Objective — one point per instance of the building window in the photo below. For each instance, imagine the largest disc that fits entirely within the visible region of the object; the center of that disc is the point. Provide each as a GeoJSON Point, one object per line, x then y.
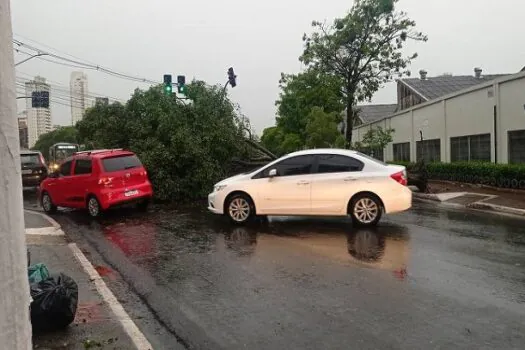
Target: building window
{"type": "Point", "coordinates": [429, 150]}
{"type": "Point", "coordinates": [402, 152]}
{"type": "Point", "coordinates": [470, 148]}
{"type": "Point", "coordinates": [516, 146]}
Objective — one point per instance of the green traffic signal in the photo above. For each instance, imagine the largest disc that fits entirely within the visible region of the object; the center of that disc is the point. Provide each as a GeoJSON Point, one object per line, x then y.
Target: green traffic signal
{"type": "Point", "coordinates": [167, 89]}
{"type": "Point", "coordinates": [182, 89]}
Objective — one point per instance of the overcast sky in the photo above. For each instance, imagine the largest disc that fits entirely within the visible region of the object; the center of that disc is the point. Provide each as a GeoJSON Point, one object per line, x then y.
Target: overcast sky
{"type": "Point", "coordinates": [202, 38]}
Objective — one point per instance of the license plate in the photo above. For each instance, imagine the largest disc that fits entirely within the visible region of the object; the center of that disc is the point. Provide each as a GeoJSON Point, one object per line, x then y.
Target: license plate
{"type": "Point", "coordinates": [25, 172]}
{"type": "Point", "coordinates": [131, 193]}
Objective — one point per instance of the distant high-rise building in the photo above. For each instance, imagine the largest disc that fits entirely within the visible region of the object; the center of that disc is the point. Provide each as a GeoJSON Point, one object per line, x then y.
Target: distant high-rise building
{"type": "Point", "coordinates": [79, 91]}
{"type": "Point", "coordinates": [22, 132]}
{"type": "Point", "coordinates": [38, 119]}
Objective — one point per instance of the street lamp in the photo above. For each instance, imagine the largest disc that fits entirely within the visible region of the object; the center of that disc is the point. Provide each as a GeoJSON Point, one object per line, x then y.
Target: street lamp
{"type": "Point", "coordinates": [27, 59]}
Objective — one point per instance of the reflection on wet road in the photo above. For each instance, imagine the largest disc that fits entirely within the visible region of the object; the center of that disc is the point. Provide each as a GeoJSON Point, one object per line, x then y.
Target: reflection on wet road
{"type": "Point", "coordinates": [428, 278]}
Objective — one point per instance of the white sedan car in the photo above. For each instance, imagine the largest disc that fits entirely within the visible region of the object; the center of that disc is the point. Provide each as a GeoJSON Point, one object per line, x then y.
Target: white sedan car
{"type": "Point", "coordinates": [322, 182]}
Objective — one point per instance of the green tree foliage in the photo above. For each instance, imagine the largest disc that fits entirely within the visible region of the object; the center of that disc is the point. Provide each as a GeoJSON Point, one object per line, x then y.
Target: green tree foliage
{"type": "Point", "coordinates": [62, 134]}
{"type": "Point", "coordinates": [363, 49]}
{"type": "Point", "coordinates": [322, 131]}
{"type": "Point", "coordinates": [300, 94]}
{"type": "Point", "coordinates": [186, 147]}
{"type": "Point", "coordinates": [375, 139]}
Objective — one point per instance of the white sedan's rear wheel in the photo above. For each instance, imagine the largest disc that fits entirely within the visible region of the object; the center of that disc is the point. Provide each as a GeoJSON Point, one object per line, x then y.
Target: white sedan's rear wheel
{"type": "Point", "coordinates": [240, 208]}
{"type": "Point", "coordinates": [366, 210]}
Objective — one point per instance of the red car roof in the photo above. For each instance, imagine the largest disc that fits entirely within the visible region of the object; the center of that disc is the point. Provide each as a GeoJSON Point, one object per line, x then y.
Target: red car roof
{"type": "Point", "coordinates": [102, 153]}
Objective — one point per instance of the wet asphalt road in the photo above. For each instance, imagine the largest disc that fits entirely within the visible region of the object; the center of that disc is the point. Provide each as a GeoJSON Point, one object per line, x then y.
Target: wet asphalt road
{"type": "Point", "coordinates": [428, 278]}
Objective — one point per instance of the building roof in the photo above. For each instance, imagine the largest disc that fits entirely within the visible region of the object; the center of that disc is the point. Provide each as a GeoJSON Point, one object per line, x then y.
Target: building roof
{"type": "Point", "coordinates": [436, 87]}
{"type": "Point", "coordinates": [371, 113]}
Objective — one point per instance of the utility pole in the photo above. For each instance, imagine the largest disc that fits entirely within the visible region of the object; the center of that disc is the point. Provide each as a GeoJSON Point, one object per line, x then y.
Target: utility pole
{"type": "Point", "coordinates": [15, 327]}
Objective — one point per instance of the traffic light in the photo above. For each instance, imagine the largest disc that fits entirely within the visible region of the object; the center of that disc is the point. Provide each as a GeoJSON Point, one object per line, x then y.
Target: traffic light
{"type": "Point", "coordinates": [181, 84]}
{"type": "Point", "coordinates": [167, 84]}
{"type": "Point", "coordinates": [231, 77]}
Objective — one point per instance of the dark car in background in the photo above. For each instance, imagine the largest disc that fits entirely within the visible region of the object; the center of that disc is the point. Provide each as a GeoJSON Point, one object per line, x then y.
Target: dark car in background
{"type": "Point", "coordinates": [34, 168]}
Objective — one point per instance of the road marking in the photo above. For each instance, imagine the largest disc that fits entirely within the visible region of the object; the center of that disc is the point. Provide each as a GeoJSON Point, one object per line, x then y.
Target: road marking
{"type": "Point", "coordinates": [127, 323]}
{"type": "Point", "coordinates": [45, 231]}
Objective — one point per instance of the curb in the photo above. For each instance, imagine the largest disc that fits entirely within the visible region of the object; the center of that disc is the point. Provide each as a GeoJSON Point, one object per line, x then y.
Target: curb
{"type": "Point", "coordinates": [55, 224]}
{"type": "Point", "coordinates": [496, 208]}
{"type": "Point", "coordinates": [426, 196]}
{"type": "Point", "coordinates": [479, 205]}
{"type": "Point", "coordinates": [131, 329]}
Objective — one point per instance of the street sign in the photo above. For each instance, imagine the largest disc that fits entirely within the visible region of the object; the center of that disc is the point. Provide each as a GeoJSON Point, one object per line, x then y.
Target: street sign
{"type": "Point", "coordinates": [40, 99]}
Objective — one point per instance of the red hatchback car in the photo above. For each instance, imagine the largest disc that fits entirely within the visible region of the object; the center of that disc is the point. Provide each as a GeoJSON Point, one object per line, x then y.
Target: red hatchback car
{"type": "Point", "coordinates": [97, 180]}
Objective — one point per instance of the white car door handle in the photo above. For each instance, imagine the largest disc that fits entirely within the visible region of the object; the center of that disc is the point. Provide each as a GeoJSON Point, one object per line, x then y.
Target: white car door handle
{"type": "Point", "coordinates": [303, 182]}
{"type": "Point", "coordinates": [350, 179]}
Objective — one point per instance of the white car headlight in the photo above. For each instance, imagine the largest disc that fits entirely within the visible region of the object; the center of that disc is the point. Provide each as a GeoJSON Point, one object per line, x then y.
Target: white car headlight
{"type": "Point", "coordinates": [218, 188]}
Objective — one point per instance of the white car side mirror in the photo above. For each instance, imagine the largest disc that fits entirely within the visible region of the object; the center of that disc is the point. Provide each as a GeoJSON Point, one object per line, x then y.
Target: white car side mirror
{"type": "Point", "coordinates": [272, 173]}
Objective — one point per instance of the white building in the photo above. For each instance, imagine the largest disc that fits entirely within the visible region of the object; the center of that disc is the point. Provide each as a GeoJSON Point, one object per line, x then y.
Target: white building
{"type": "Point", "coordinates": [38, 119]}
{"type": "Point", "coordinates": [455, 118]}
{"type": "Point", "coordinates": [79, 91]}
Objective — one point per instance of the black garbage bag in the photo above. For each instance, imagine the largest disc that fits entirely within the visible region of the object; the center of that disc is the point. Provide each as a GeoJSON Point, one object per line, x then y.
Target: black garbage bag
{"type": "Point", "coordinates": [55, 302]}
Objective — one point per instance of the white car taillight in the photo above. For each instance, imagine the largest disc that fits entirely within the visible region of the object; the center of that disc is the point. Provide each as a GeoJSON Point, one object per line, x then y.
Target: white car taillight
{"type": "Point", "coordinates": [400, 177]}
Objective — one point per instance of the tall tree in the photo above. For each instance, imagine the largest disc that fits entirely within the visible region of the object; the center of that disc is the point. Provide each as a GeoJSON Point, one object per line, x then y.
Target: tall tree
{"type": "Point", "coordinates": [302, 92]}
{"type": "Point", "coordinates": [364, 49]}
{"type": "Point", "coordinates": [322, 129]}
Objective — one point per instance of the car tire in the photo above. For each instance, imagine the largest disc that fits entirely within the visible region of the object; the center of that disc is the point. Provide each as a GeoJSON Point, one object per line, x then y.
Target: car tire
{"type": "Point", "coordinates": [143, 205]}
{"type": "Point", "coordinates": [93, 207]}
{"type": "Point", "coordinates": [365, 210]}
{"type": "Point", "coordinates": [47, 203]}
{"type": "Point", "coordinates": [240, 209]}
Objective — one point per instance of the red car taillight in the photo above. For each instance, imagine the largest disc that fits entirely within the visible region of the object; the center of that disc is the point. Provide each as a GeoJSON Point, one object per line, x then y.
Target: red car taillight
{"type": "Point", "coordinates": [400, 177]}
{"type": "Point", "coordinates": [105, 181]}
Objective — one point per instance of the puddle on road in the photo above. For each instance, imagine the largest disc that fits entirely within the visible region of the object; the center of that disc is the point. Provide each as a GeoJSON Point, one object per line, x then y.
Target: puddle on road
{"type": "Point", "coordinates": [164, 238]}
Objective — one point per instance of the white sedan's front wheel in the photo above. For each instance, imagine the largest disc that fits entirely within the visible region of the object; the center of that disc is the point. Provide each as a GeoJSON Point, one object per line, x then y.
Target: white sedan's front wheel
{"type": "Point", "coordinates": [240, 208]}
{"type": "Point", "coordinates": [366, 210]}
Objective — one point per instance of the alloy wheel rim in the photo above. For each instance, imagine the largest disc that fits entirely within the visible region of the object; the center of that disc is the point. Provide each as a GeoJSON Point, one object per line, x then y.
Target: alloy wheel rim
{"type": "Point", "coordinates": [239, 209]}
{"type": "Point", "coordinates": [46, 202]}
{"type": "Point", "coordinates": [366, 210]}
{"type": "Point", "coordinates": [93, 207]}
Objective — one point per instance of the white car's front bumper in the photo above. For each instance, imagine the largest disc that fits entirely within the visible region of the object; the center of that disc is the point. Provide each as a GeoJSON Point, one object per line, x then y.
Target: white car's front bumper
{"type": "Point", "coordinates": [216, 203]}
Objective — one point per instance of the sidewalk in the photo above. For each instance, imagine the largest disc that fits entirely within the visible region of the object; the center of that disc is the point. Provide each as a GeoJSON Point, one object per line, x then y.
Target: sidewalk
{"type": "Point", "coordinates": [504, 201]}
{"type": "Point", "coordinates": [101, 322]}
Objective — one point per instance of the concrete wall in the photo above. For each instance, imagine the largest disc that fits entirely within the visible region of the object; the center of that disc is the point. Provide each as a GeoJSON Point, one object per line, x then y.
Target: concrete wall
{"type": "Point", "coordinates": [511, 110]}
{"type": "Point", "coordinates": [468, 113]}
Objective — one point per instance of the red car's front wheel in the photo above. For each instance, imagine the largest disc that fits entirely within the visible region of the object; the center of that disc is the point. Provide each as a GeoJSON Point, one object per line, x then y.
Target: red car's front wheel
{"type": "Point", "coordinates": [47, 203]}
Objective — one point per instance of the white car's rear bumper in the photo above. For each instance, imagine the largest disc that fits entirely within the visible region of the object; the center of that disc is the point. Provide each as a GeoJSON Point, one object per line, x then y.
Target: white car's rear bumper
{"type": "Point", "coordinates": [400, 201]}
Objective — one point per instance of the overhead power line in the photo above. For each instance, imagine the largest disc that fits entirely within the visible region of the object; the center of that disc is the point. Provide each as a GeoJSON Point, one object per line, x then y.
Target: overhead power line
{"type": "Point", "coordinates": [58, 88]}
{"type": "Point", "coordinates": [77, 63]}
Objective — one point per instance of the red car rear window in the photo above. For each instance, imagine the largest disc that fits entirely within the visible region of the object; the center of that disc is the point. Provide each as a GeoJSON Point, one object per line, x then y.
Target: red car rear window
{"type": "Point", "coordinates": [120, 163]}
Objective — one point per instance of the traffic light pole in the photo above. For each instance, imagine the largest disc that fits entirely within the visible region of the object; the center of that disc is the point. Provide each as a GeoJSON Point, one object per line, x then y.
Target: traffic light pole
{"type": "Point", "coordinates": [15, 323]}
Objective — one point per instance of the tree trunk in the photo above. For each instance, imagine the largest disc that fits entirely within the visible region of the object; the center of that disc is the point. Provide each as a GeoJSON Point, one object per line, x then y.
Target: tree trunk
{"type": "Point", "coordinates": [15, 327]}
{"type": "Point", "coordinates": [349, 121]}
